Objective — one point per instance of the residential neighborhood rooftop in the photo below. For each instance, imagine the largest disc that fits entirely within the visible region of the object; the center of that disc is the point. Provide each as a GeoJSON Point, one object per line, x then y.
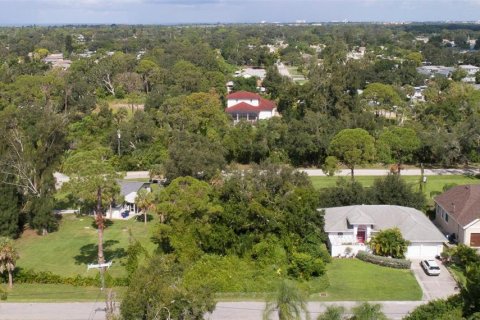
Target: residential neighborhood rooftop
{"type": "Point", "coordinates": [461, 202]}
{"type": "Point", "coordinates": [414, 225]}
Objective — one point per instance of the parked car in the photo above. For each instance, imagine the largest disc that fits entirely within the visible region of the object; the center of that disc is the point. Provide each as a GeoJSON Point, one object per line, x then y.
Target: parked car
{"type": "Point", "coordinates": [431, 267]}
{"type": "Point", "coordinates": [125, 214]}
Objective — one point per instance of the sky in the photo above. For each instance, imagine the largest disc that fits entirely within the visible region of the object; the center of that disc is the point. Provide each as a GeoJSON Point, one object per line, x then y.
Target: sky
{"type": "Point", "coordinates": [26, 12]}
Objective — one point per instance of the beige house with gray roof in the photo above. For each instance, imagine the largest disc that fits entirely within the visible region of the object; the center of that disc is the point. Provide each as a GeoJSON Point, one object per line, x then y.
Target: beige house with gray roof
{"type": "Point", "coordinates": [353, 226]}
{"type": "Point", "coordinates": [457, 212]}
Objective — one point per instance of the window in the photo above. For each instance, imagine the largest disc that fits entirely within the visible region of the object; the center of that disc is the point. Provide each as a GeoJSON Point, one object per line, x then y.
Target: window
{"type": "Point", "coordinates": [340, 234]}
{"type": "Point", "coordinates": [446, 217]}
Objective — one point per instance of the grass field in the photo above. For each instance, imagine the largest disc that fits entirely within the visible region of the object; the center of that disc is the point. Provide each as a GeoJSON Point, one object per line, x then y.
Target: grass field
{"type": "Point", "coordinates": [68, 251]}
{"type": "Point", "coordinates": [434, 183]}
{"type": "Point", "coordinates": [355, 280]}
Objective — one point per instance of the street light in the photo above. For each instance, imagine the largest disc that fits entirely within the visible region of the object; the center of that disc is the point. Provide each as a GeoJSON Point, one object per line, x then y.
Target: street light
{"type": "Point", "coordinates": [119, 135]}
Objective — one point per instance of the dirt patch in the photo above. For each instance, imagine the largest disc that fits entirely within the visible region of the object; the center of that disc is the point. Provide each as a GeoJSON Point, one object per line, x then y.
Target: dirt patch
{"type": "Point", "coordinates": [30, 234]}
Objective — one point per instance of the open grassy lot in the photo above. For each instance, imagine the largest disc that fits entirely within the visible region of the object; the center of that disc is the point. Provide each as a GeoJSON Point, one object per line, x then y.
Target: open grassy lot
{"type": "Point", "coordinates": [68, 251]}
{"type": "Point", "coordinates": [355, 280]}
{"type": "Point", "coordinates": [434, 183]}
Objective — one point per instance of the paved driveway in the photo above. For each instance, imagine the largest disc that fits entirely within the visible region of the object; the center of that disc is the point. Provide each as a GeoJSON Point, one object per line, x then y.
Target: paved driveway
{"type": "Point", "coordinates": [434, 287]}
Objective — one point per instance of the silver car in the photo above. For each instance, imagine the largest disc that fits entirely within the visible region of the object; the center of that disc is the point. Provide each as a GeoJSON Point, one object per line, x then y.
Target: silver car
{"type": "Point", "coordinates": [431, 267]}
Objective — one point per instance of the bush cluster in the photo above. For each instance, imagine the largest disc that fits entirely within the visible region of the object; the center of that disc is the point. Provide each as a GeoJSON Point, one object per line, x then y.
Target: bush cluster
{"type": "Point", "coordinates": [384, 261]}
{"type": "Point", "coordinates": [46, 277]}
{"type": "Point", "coordinates": [304, 266]}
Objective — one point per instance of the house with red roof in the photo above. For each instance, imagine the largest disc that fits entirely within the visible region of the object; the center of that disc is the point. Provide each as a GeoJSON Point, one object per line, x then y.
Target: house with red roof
{"type": "Point", "coordinates": [457, 212]}
{"type": "Point", "coordinates": [249, 106]}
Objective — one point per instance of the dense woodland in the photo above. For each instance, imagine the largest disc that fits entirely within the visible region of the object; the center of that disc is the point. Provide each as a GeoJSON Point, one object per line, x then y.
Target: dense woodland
{"type": "Point", "coordinates": [153, 98]}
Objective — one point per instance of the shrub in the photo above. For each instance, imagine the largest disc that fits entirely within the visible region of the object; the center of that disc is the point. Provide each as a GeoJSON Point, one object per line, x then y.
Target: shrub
{"type": "Point", "coordinates": [315, 249]}
{"type": "Point", "coordinates": [304, 266]}
{"type": "Point", "coordinates": [389, 243]}
{"type": "Point", "coordinates": [450, 308]}
{"type": "Point", "coordinates": [46, 277]}
{"type": "Point", "coordinates": [463, 256]}
{"type": "Point", "coordinates": [269, 252]}
{"type": "Point", "coordinates": [231, 274]}
{"type": "Point", "coordinates": [384, 261]}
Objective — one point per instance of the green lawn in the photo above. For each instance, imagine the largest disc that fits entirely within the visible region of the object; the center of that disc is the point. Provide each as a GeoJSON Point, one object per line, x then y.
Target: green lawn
{"type": "Point", "coordinates": [434, 183]}
{"type": "Point", "coordinates": [56, 293]}
{"type": "Point", "coordinates": [355, 280]}
{"type": "Point", "coordinates": [68, 251]}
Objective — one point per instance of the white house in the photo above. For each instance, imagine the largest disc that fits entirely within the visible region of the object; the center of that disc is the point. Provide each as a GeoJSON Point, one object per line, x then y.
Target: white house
{"type": "Point", "coordinates": [353, 226]}
{"type": "Point", "coordinates": [243, 105]}
{"type": "Point", "coordinates": [129, 191]}
{"type": "Point", "coordinates": [458, 213]}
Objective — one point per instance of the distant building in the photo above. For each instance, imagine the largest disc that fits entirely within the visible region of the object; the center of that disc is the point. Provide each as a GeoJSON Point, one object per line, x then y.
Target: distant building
{"type": "Point", "coordinates": [422, 39]}
{"type": "Point", "coordinates": [356, 54]}
{"type": "Point", "coordinates": [432, 71]}
{"type": "Point", "coordinates": [448, 43]}
{"type": "Point", "coordinates": [471, 71]}
{"type": "Point", "coordinates": [418, 94]}
{"type": "Point", "coordinates": [80, 38]}
{"type": "Point", "coordinates": [57, 61]}
{"type": "Point", "coordinates": [248, 106]}
{"type": "Point", "coordinates": [471, 43]}
{"type": "Point", "coordinates": [252, 72]}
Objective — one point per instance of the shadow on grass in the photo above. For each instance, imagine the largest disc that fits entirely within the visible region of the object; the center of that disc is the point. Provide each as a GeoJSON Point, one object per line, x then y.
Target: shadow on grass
{"type": "Point", "coordinates": [141, 218]}
{"type": "Point", "coordinates": [107, 223]}
{"type": "Point", "coordinates": [89, 253]}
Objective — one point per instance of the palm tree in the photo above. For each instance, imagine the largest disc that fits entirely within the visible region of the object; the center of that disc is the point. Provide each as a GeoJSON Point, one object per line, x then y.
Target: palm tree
{"type": "Point", "coordinates": [333, 313]}
{"type": "Point", "coordinates": [8, 258]}
{"type": "Point", "coordinates": [289, 303]}
{"type": "Point", "coordinates": [367, 311]}
{"type": "Point", "coordinates": [144, 202]}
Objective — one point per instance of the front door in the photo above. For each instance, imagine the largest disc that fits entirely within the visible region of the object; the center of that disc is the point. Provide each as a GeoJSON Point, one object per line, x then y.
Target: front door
{"type": "Point", "coordinates": [361, 233]}
{"type": "Point", "coordinates": [361, 236]}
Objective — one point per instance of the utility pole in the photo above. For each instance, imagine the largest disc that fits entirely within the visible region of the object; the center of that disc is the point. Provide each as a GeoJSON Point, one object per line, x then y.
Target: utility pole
{"type": "Point", "coordinates": [110, 295]}
{"type": "Point", "coordinates": [423, 179]}
{"type": "Point", "coordinates": [119, 135]}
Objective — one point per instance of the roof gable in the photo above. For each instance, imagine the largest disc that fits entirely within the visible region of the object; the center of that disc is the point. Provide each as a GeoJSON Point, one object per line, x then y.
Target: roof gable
{"type": "Point", "coordinates": [265, 105]}
{"type": "Point", "coordinates": [243, 95]}
{"type": "Point", "coordinates": [127, 187]}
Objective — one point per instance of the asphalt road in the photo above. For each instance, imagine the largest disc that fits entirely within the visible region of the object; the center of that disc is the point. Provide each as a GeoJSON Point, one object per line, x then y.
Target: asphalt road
{"type": "Point", "coordinates": [223, 311]}
{"type": "Point", "coordinates": [358, 172]}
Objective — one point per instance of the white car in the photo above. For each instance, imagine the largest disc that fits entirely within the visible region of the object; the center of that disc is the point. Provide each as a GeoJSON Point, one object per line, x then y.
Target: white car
{"type": "Point", "coordinates": [431, 267]}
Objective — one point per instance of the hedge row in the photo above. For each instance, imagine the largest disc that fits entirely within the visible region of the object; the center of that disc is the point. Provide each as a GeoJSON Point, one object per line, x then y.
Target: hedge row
{"type": "Point", "coordinates": [384, 261]}
{"type": "Point", "coordinates": [46, 277]}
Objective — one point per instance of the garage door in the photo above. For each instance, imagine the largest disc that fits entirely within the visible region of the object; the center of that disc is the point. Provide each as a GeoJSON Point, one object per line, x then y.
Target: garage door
{"type": "Point", "coordinates": [423, 251]}
{"type": "Point", "coordinates": [475, 239]}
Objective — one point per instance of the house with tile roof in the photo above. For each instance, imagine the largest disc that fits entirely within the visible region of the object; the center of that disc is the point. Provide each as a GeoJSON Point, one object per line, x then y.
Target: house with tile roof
{"type": "Point", "coordinates": [457, 212]}
{"type": "Point", "coordinates": [249, 106]}
{"type": "Point", "coordinates": [353, 226]}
